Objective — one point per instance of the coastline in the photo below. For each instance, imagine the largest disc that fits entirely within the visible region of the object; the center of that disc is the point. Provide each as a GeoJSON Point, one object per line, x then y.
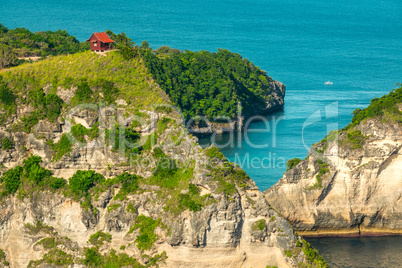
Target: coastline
{"type": "Point", "coordinates": [355, 232]}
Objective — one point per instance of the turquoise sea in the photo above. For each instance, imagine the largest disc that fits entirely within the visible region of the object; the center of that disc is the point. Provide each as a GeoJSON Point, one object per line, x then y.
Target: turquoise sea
{"type": "Point", "coordinates": [355, 44]}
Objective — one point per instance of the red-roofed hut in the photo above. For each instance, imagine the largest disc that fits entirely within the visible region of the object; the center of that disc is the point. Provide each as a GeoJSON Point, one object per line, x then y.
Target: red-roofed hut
{"type": "Point", "coordinates": [100, 42]}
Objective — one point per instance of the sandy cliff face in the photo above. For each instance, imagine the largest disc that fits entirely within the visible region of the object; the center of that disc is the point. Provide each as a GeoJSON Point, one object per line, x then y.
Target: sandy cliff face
{"type": "Point", "coordinates": [223, 233]}
{"type": "Point", "coordinates": [361, 191]}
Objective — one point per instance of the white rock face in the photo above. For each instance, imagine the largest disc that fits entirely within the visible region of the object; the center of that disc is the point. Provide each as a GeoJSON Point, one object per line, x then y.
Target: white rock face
{"type": "Point", "coordinates": [360, 195]}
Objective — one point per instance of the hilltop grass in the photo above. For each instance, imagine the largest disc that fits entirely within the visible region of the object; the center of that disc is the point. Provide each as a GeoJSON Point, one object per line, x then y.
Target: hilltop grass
{"type": "Point", "coordinates": [130, 77]}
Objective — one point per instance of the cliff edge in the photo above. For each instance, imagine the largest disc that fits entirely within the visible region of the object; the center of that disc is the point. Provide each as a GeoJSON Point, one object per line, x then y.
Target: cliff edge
{"type": "Point", "coordinates": [351, 182]}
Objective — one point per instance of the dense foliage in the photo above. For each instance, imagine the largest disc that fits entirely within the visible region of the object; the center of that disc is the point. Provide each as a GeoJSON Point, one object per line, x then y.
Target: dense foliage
{"type": "Point", "coordinates": [292, 163]}
{"type": "Point", "coordinates": [21, 42]}
{"type": "Point", "coordinates": [208, 84]}
{"type": "Point", "coordinates": [28, 177]}
{"type": "Point", "coordinates": [82, 181]}
{"type": "Point", "coordinates": [384, 106]}
{"type": "Point", "coordinates": [147, 236]}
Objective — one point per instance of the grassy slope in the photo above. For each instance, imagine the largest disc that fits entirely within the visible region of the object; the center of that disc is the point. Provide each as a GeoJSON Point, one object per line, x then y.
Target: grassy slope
{"type": "Point", "coordinates": [130, 76]}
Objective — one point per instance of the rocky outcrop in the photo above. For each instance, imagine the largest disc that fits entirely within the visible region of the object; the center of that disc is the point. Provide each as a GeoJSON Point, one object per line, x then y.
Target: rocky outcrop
{"type": "Point", "coordinates": [222, 234]}
{"type": "Point", "coordinates": [274, 101]}
{"type": "Point", "coordinates": [360, 191]}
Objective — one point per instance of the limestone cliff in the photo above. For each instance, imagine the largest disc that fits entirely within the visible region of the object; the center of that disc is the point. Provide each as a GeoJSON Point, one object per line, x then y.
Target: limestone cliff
{"type": "Point", "coordinates": [351, 182]}
{"type": "Point", "coordinates": [155, 199]}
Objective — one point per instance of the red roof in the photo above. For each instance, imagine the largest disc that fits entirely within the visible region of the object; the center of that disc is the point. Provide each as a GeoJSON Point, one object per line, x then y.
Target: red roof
{"type": "Point", "coordinates": [103, 37]}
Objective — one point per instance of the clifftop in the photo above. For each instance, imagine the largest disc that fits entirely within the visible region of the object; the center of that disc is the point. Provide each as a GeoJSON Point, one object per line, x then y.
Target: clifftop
{"type": "Point", "coordinates": [350, 184]}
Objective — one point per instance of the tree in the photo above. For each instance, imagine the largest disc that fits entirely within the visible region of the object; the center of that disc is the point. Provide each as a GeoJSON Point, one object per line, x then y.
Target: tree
{"type": "Point", "coordinates": [7, 58]}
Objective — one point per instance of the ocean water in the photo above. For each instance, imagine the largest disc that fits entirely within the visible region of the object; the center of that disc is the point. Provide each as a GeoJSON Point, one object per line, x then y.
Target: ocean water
{"type": "Point", "coordinates": [360, 252]}
{"type": "Point", "coordinates": [303, 43]}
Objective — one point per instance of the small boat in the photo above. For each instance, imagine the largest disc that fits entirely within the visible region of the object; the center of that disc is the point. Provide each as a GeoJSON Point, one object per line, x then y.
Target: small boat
{"type": "Point", "coordinates": [329, 83]}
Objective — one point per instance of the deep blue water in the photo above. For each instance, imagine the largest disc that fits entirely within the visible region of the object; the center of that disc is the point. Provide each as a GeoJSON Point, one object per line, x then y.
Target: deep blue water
{"type": "Point", "coordinates": [303, 43]}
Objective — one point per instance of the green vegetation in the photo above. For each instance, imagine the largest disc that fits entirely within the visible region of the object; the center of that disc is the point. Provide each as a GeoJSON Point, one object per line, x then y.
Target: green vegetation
{"type": "Point", "coordinates": [82, 181]}
{"type": "Point", "coordinates": [113, 207]}
{"type": "Point", "coordinates": [313, 256]}
{"type": "Point", "coordinates": [54, 257]}
{"type": "Point", "coordinates": [213, 152]}
{"type": "Point", "coordinates": [83, 93]}
{"type": "Point", "coordinates": [79, 131]}
{"type": "Point", "coordinates": [98, 238]}
{"type": "Point", "coordinates": [7, 97]}
{"type": "Point", "coordinates": [163, 124]}
{"type": "Point", "coordinates": [384, 107]}
{"type": "Point", "coordinates": [112, 260]}
{"type": "Point", "coordinates": [227, 176]}
{"type": "Point", "coordinates": [28, 178]}
{"type": "Point", "coordinates": [48, 242]}
{"type": "Point", "coordinates": [7, 100]}
{"type": "Point", "coordinates": [46, 106]}
{"type": "Point", "coordinates": [131, 208]}
{"type": "Point", "coordinates": [129, 185]}
{"type": "Point", "coordinates": [21, 42]}
{"type": "Point", "coordinates": [354, 139]}
{"type": "Point", "coordinates": [288, 253]}
{"type": "Point", "coordinates": [147, 237]}
{"type": "Point", "coordinates": [61, 148]}
{"type": "Point", "coordinates": [292, 163]}
{"type": "Point", "coordinates": [192, 199]}
{"type": "Point", "coordinates": [258, 225]}
{"type": "Point", "coordinates": [3, 258]}
{"type": "Point", "coordinates": [208, 84]}
{"type": "Point", "coordinates": [125, 139]}
{"type": "Point", "coordinates": [7, 144]}
{"type": "Point", "coordinates": [39, 227]}
{"type": "Point", "coordinates": [322, 171]}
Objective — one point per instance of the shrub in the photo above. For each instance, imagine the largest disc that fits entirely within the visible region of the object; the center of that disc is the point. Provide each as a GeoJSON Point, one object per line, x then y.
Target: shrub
{"type": "Point", "coordinates": [92, 257]}
{"type": "Point", "coordinates": [55, 257]}
{"type": "Point", "coordinates": [213, 152]}
{"type": "Point", "coordinates": [129, 185]}
{"type": "Point", "coordinates": [147, 237]}
{"type": "Point", "coordinates": [313, 255]}
{"type": "Point", "coordinates": [33, 170]}
{"type": "Point", "coordinates": [12, 179]}
{"type": "Point", "coordinates": [124, 139]}
{"type": "Point", "coordinates": [39, 227]}
{"type": "Point", "coordinates": [47, 106]}
{"type": "Point", "coordinates": [98, 238]}
{"type": "Point", "coordinates": [48, 243]}
{"type": "Point", "coordinates": [83, 93]}
{"type": "Point", "coordinates": [163, 124]}
{"type": "Point", "coordinates": [113, 207]}
{"type": "Point", "coordinates": [61, 148]}
{"type": "Point", "coordinates": [78, 131]}
{"type": "Point", "coordinates": [258, 225]}
{"type": "Point", "coordinates": [57, 183]}
{"type": "Point", "coordinates": [7, 144]}
{"type": "Point", "coordinates": [110, 92]}
{"type": "Point", "coordinates": [292, 163]}
{"type": "Point", "coordinates": [82, 181]}
{"type": "Point", "coordinates": [7, 97]}
{"type": "Point", "coordinates": [53, 105]}
{"type": "Point", "coordinates": [355, 139]}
